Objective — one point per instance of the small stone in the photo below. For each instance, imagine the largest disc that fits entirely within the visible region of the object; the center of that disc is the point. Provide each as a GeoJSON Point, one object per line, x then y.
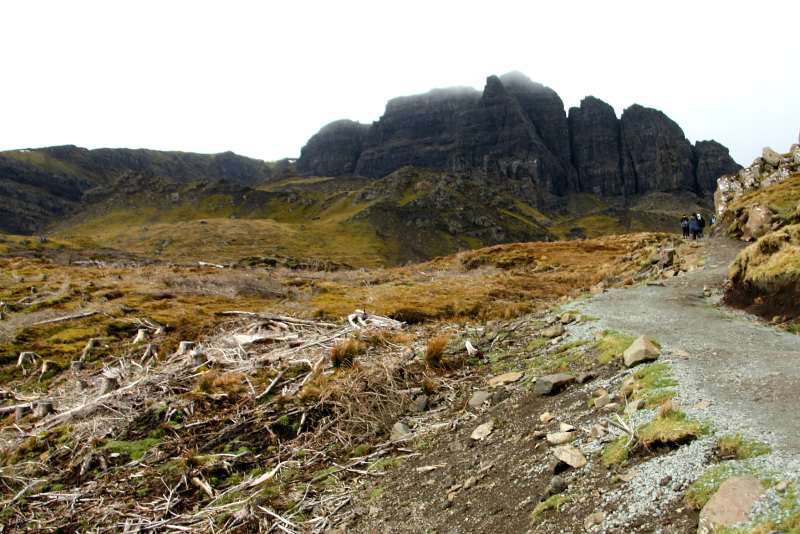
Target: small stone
{"type": "Point", "coordinates": [602, 400]}
{"type": "Point", "coordinates": [611, 407]}
{"type": "Point", "coordinates": [731, 504]}
{"type": "Point", "coordinates": [593, 520]}
{"type": "Point", "coordinates": [665, 481]}
{"type": "Point", "coordinates": [560, 438]}
{"type": "Point", "coordinates": [419, 404]}
{"type": "Point", "coordinates": [782, 486]}
{"type": "Point", "coordinates": [634, 406]}
{"type": "Point", "coordinates": [399, 431]}
{"type": "Point", "coordinates": [582, 378]}
{"type": "Point", "coordinates": [557, 485]}
{"type": "Point", "coordinates": [506, 378]}
{"type": "Point", "coordinates": [551, 384]}
{"type": "Point", "coordinates": [567, 318]}
{"type": "Point", "coordinates": [478, 398]}
{"type": "Point", "coordinates": [597, 432]}
{"type": "Point", "coordinates": [570, 456]}
{"type": "Point", "coordinates": [599, 392]}
{"type": "Point", "coordinates": [641, 350]}
{"type": "Point", "coordinates": [499, 395]}
{"type": "Point", "coordinates": [566, 427]}
{"type": "Point", "coordinates": [553, 331]}
{"type": "Point", "coordinates": [546, 417]}
{"type": "Point", "coordinates": [483, 431]}
{"type": "Point", "coordinates": [680, 353]}
{"type": "Point", "coordinates": [471, 481]}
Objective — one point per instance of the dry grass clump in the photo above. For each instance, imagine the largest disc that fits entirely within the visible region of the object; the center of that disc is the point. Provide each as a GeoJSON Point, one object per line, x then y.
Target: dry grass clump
{"type": "Point", "coordinates": [213, 382]}
{"type": "Point", "coordinates": [434, 350]}
{"type": "Point", "coordinates": [343, 353]}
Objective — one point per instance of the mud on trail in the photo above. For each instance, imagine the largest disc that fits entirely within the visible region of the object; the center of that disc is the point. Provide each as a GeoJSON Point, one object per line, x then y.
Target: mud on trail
{"type": "Point", "coordinates": [733, 372]}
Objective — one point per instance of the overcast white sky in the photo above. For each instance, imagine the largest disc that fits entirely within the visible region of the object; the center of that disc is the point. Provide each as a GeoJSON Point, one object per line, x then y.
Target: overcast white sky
{"type": "Point", "coordinates": [260, 77]}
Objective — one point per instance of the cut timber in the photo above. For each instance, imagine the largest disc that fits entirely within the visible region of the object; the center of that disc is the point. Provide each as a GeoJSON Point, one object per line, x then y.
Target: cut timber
{"type": "Point", "coordinates": [141, 336]}
{"type": "Point", "coordinates": [108, 385]}
{"type": "Point", "coordinates": [66, 318]}
{"type": "Point", "coordinates": [21, 411]}
{"type": "Point", "coordinates": [14, 408]}
{"type": "Point", "coordinates": [184, 347]}
{"type": "Point", "coordinates": [89, 406]}
{"type": "Point", "coordinates": [252, 339]}
{"type": "Point", "coordinates": [271, 317]}
{"type": "Point", "coordinates": [26, 358]}
{"type": "Point", "coordinates": [92, 343]}
{"type": "Point", "coordinates": [198, 358]}
{"type": "Point", "coordinates": [42, 408]}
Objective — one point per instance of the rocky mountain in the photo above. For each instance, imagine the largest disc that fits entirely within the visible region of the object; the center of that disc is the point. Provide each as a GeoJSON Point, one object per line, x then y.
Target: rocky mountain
{"type": "Point", "coordinates": [518, 129]}
{"type": "Point", "coordinates": [47, 184]}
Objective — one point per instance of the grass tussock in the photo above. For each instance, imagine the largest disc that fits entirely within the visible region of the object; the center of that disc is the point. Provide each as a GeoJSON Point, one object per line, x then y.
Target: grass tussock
{"type": "Point", "coordinates": [616, 452]}
{"type": "Point", "coordinates": [343, 353]}
{"type": "Point", "coordinates": [652, 383]}
{"type": "Point", "coordinates": [611, 345]}
{"type": "Point", "coordinates": [434, 351]}
{"type": "Point", "coordinates": [213, 382]}
{"type": "Point", "coordinates": [671, 427]}
{"type": "Point", "coordinates": [737, 447]}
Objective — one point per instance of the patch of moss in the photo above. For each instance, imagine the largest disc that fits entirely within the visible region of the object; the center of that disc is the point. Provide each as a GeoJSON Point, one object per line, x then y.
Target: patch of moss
{"type": "Point", "coordinates": [135, 450]}
{"type": "Point", "coordinates": [652, 383]}
{"type": "Point", "coordinates": [554, 502]}
{"type": "Point", "coordinates": [615, 452]}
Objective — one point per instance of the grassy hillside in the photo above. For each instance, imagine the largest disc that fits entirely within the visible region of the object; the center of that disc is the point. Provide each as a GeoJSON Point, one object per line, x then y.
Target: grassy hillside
{"type": "Point", "coordinates": [412, 215]}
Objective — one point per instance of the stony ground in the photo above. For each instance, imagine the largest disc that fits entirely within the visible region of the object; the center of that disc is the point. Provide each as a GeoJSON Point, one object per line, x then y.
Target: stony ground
{"type": "Point", "coordinates": [734, 373]}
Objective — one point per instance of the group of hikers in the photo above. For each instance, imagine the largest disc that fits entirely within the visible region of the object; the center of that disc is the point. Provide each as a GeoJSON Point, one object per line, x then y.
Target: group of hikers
{"type": "Point", "coordinates": [694, 225]}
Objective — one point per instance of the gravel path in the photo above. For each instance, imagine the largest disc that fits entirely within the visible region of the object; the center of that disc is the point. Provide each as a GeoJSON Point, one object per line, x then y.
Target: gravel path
{"type": "Point", "coordinates": [747, 372]}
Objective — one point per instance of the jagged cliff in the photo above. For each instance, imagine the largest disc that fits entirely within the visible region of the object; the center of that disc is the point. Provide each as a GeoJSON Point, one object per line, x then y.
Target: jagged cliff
{"type": "Point", "coordinates": [518, 129]}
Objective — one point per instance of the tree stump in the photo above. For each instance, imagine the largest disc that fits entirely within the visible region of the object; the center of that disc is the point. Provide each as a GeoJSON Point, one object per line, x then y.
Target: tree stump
{"type": "Point", "coordinates": [20, 412]}
{"type": "Point", "coordinates": [184, 347]}
{"type": "Point", "coordinates": [92, 343]}
{"type": "Point", "coordinates": [76, 366]}
{"type": "Point", "coordinates": [82, 384]}
{"type": "Point", "coordinates": [108, 385]}
{"type": "Point", "coordinates": [198, 358]}
{"type": "Point", "coordinates": [141, 336]}
{"type": "Point", "coordinates": [42, 408]}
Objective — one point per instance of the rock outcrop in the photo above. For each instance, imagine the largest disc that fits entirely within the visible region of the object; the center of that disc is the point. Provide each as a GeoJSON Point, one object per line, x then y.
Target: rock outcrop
{"type": "Point", "coordinates": [656, 155]}
{"type": "Point", "coordinates": [517, 129]}
{"type": "Point", "coordinates": [334, 150]}
{"type": "Point", "coordinates": [595, 137]}
{"type": "Point", "coordinates": [712, 160]}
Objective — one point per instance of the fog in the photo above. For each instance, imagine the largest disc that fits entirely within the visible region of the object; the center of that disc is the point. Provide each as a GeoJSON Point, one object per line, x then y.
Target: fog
{"type": "Point", "coordinates": [259, 78]}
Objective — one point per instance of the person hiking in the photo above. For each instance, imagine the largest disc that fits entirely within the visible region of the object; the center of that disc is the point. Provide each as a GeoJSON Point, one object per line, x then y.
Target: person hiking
{"type": "Point", "coordinates": [685, 226]}
{"type": "Point", "coordinates": [694, 227]}
{"type": "Point", "coordinates": [702, 223]}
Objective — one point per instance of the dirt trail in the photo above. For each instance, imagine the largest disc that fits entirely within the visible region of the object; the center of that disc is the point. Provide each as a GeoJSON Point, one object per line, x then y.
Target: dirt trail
{"type": "Point", "coordinates": [750, 372]}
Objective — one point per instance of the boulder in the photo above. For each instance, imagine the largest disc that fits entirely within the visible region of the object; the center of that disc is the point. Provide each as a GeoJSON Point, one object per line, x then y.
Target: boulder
{"type": "Point", "coordinates": [478, 398]}
{"type": "Point", "coordinates": [731, 504]}
{"type": "Point", "coordinates": [560, 438]}
{"type": "Point", "coordinates": [570, 456]}
{"type": "Point", "coordinates": [399, 431]}
{"type": "Point", "coordinates": [553, 331]}
{"type": "Point", "coordinates": [419, 404]}
{"type": "Point", "coordinates": [771, 157]}
{"type": "Point", "coordinates": [593, 520]}
{"type": "Point", "coordinates": [641, 350]}
{"type": "Point", "coordinates": [483, 431]}
{"type": "Point", "coordinates": [551, 384]}
{"type": "Point", "coordinates": [602, 400]}
{"type": "Point", "coordinates": [759, 222]}
{"type": "Point", "coordinates": [666, 257]}
{"type": "Point", "coordinates": [505, 378]}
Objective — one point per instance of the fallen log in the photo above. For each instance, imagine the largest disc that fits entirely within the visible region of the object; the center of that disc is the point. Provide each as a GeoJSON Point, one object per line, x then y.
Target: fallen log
{"type": "Point", "coordinates": [272, 317]}
{"type": "Point", "coordinates": [66, 318]}
{"type": "Point", "coordinates": [92, 404]}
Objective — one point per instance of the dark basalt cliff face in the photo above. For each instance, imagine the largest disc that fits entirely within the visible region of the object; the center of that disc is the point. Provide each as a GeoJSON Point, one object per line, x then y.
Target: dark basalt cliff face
{"type": "Point", "coordinates": [596, 151]}
{"type": "Point", "coordinates": [518, 129]}
{"type": "Point", "coordinates": [712, 160]}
